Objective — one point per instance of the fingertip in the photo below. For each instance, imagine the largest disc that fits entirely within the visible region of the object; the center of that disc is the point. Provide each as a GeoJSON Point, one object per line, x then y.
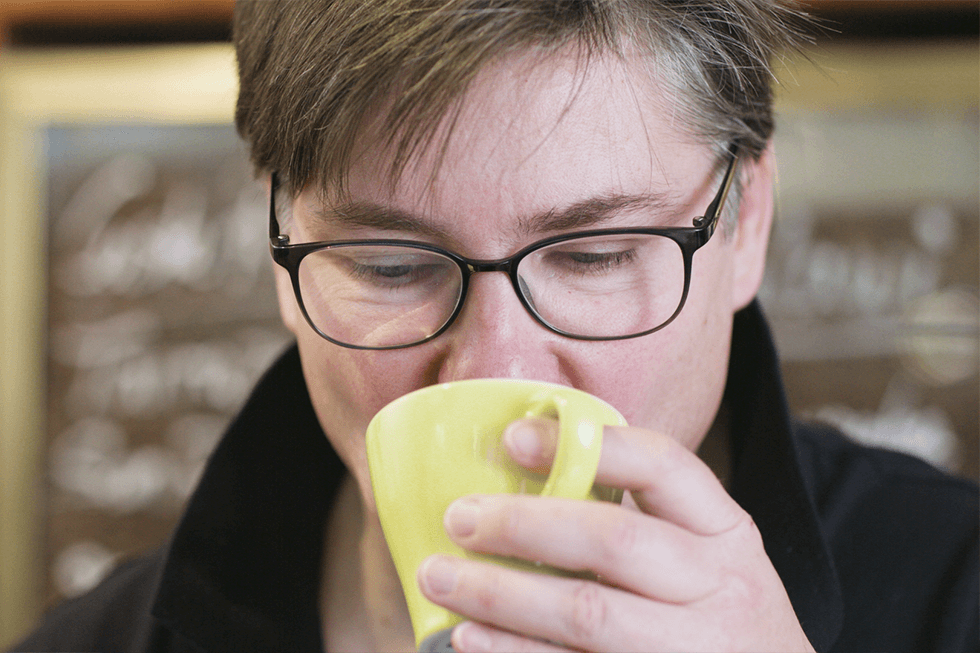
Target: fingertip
{"type": "Point", "coordinates": [531, 442]}
{"type": "Point", "coordinates": [522, 441]}
{"type": "Point", "coordinates": [469, 636]}
{"type": "Point", "coordinates": [461, 517]}
{"type": "Point", "coordinates": [437, 576]}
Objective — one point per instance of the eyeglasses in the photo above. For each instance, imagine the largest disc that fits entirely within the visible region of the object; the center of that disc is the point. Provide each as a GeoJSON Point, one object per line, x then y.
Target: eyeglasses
{"type": "Point", "coordinates": [604, 284]}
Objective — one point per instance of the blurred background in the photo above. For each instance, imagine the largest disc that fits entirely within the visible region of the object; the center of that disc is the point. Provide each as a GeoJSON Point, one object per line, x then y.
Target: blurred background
{"type": "Point", "coordinates": [136, 300]}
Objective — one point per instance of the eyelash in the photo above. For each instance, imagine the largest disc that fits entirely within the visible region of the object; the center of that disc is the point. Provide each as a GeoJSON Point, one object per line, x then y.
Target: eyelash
{"type": "Point", "coordinates": [603, 260]}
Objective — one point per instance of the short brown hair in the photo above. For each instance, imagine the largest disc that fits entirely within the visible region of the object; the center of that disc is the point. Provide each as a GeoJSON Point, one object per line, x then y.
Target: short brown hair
{"type": "Point", "coordinates": [311, 71]}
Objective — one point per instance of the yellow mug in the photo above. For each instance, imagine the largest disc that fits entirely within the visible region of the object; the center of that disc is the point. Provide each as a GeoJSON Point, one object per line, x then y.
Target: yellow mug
{"type": "Point", "coordinates": [432, 446]}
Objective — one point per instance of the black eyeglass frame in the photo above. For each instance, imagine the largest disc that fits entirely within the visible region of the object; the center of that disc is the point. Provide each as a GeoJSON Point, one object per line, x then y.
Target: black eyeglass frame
{"type": "Point", "coordinates": [689, 239]}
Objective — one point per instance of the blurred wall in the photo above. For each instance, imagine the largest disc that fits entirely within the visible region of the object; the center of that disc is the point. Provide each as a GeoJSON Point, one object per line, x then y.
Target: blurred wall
{"type": "Point", "coordinates": [872, 274]}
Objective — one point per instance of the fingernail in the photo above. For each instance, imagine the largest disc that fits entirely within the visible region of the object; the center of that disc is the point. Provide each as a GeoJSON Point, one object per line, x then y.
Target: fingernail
{"type": "Point", "coordinates": [439, 575]}
{"type": "Point", "coordinates": [471, 637]}
{"type": "Point", "coordinates": [461, 516]}
{"type": "Point", "coordinates": [524, 440]}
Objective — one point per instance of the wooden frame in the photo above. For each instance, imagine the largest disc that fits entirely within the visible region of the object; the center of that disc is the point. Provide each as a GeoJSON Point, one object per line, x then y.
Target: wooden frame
{"type": "Point", "coordinates": [134, 13]}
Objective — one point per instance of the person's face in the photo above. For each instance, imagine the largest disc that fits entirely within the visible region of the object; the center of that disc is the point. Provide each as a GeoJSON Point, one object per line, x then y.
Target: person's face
{"type": "Point", "coordinates": [537, 136]}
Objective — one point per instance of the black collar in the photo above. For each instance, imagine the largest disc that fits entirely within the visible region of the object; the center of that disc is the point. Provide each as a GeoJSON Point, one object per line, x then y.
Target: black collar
{"type": "Point", "coordinates": [243, 568]}
{"type": "Point", "coordinates": [768, 480]}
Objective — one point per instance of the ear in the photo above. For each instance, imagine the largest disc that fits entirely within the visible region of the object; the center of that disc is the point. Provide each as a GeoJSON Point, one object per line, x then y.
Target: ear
{"type": "Point", "coordinates": [752, 230]}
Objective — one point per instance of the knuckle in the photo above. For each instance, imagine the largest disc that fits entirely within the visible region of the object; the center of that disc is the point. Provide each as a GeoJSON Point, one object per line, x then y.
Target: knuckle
{"type": "Point", "coordinates": [510, 526]}
{"type": "Point", "coordinates": [742, 530]}
{"type": "Point", "coordinates": [588, 614]}
{"type": "Point", "coordinates": [747, 535]}
{"type": "Point", "coordinates": [745, 591]}
{"type": "Point", "coordinates": [486, 600]}
{"type": "Point", "coordinates": [741, 592]}
{"type": "Point", "coordinates": [487, 594]}
{"type": "Point", "coordinates": [621, 539]}
{"type": "Point", "coordinates": [749, 529]}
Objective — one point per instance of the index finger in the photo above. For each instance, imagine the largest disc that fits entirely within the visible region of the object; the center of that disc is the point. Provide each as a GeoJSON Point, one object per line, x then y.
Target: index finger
{"type": "Point", "coordinates": [665, 478]}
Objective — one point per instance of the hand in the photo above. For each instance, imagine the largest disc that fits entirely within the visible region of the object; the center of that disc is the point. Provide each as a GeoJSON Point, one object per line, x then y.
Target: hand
{"type": "Point", "coordinates": [679, 566]}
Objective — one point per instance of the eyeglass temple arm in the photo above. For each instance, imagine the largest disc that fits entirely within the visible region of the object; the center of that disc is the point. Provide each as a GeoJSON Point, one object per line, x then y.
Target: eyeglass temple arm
{"type": "Point", "coordinates": [711, 214]}
{"type": "Point", "coordinates": [273, 220]}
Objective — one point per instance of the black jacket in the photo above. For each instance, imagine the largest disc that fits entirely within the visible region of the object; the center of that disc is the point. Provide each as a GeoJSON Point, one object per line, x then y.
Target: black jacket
{"type": "Point", "coordinates": [878, 551]}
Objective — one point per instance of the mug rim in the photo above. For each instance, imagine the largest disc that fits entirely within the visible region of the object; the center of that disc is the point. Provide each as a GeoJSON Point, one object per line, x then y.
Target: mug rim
{"type": "Point", "coordinates": [450, 385]}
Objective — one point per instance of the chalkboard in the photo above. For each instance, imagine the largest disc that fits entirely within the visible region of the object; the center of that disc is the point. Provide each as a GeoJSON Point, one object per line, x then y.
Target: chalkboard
{"type": "Point", "coordinates": [161, 316]}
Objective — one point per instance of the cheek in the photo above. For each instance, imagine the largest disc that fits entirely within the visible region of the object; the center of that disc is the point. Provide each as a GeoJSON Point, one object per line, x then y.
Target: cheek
{"type": "Point", "coordinates": [666, 385]}
{"type": "Point", "coordinates": [672, 381]}
{"type": "Point", "coordinates": [347, 387]}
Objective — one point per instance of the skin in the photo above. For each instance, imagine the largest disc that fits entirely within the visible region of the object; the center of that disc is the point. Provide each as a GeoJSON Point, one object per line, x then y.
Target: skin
{"type": "Point", "coordinates": [537, 134]}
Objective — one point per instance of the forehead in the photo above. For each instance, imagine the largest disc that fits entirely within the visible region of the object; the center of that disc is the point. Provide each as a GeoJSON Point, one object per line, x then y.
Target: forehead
{"type": "Point", "coordinates": [536, 132]}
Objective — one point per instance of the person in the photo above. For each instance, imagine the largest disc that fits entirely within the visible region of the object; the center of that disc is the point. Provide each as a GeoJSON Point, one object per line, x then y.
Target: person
{"type": "Point", "coordinates": [574, 191]}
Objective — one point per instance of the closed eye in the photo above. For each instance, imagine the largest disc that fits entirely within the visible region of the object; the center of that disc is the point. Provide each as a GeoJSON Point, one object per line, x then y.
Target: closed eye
{"type": "Point", "coordinates": [585, 262]}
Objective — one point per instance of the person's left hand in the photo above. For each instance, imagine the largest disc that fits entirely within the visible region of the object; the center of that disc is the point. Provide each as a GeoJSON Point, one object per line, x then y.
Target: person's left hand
{"type": "Point", "coordinates": [679, 567]}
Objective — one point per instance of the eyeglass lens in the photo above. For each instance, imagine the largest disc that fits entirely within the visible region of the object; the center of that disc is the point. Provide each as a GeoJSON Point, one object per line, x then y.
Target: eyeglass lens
{"type": "Point", "coordinates": [379, 296]}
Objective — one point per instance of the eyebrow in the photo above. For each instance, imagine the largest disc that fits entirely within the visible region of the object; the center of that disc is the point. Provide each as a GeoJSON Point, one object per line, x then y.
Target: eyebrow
{"type": "Point", "coordinates": [580, 215]}
{"type": "Point", "coordinates": [591, 212]}
{"type": "Point", "coordinates": [369, 215]}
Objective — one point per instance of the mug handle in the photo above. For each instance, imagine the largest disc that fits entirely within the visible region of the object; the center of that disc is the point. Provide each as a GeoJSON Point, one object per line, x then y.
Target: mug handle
{"type": "Point", "coordinates": [579, 445]}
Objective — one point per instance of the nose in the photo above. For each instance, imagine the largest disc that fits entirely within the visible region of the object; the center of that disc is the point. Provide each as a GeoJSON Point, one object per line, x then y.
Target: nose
{"type": "Point", "coordinates": [495, 337]}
